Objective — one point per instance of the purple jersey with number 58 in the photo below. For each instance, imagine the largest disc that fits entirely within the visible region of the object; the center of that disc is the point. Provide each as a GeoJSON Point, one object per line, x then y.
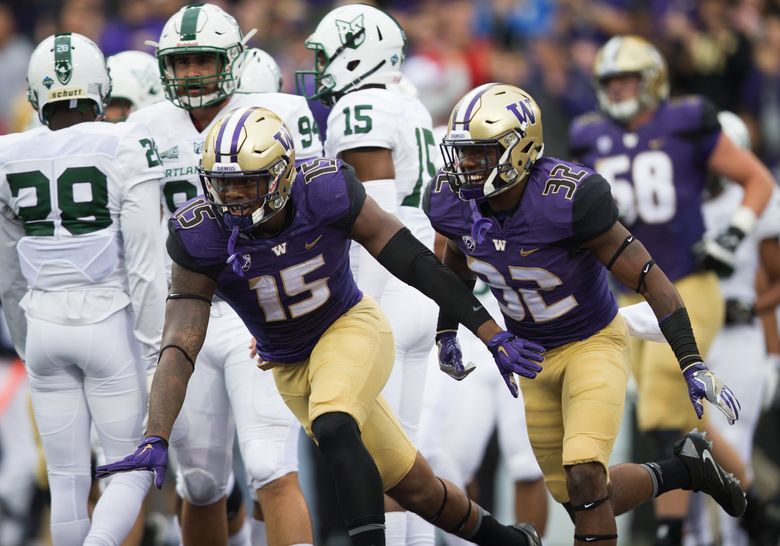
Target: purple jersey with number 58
{"type": "Point", "coordinates": [657, 174]}
{"type": "Point", "coordinates": [296, 283]}
{"type": "Point", "coordinates": [550, 289]}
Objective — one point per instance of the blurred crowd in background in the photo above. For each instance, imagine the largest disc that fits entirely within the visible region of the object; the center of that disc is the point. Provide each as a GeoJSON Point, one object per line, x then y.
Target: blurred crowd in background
{"type": "Point", "coordinates": [728, 50]}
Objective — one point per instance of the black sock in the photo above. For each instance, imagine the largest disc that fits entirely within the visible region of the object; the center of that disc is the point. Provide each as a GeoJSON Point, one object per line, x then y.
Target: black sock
{"type": "Point", "coordinates": [489, 531]}
{"type": "Point", "coordinates": [668, 532]}
{"type": "Point", "coordinates": [668, 475]}
{"type": "Point", "coordinates": [369, 537]}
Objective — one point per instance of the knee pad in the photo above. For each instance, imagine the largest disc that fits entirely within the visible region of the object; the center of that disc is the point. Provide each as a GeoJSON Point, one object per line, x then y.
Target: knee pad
{"type": "Point", "coordinates": [199, 487]}
{"type": "Point", "coordinates": [358, 483]}
{"type": "Point", "coordinates": [338, 436]}
{"type": "Point", "coordinates": [265, 463]}
{"type": "Point", "coordinates": [663, 441]}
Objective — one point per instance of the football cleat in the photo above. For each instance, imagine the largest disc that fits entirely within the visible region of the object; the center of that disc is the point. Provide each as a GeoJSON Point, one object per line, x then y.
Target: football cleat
{"type": "Point", "coordinates": [529, 532]}
{"type": "Point", "coordinates": [708, 476]}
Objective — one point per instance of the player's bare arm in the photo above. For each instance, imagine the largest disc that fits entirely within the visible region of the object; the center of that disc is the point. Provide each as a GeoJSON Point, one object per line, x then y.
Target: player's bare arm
{"type": "Point", "coordinates": [456, 260]}
{"type": "Point", "coordinates": [630, 262]}
{"type": "Point", "coordinates": [734, 163]}
{"type": "Point", "coordinates": [371, 163]}
{"type": "Point", "coordinates": [186, 321]}
{"type": "Point", "coordinates": [769, 254]}
{"type": "Point", "coordinates": [628, 267]}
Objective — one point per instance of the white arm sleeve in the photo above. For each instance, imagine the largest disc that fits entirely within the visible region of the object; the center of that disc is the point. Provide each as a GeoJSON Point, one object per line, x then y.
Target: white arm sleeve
{"type": "Point", "coordinates": [13, 285]}
{"type": "Point", "coordinates": [140, 225]}
{"type": "Point", "coordinates": [370, 275]}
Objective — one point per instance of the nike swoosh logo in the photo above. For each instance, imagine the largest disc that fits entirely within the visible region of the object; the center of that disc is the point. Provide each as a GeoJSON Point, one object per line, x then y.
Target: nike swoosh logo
{"type": "Point", "coordinates": [524, 252]}
{"type": "Point", "coordinates": [476, 308]}
{"type": "Point", "coordinates": [707, 456]}
{"type": "Point", "coordinates": [588, 505]}
{"type": "Point", "coordinates": [309, 246]}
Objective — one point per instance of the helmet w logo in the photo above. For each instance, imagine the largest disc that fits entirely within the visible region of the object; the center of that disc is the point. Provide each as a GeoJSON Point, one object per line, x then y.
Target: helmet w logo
{"type": "Point", "coordinates": [284, 138]}
{"type": "Point", "coordinates": [352, 33]}
{"type": "Point", "coordinates": [523, 111]}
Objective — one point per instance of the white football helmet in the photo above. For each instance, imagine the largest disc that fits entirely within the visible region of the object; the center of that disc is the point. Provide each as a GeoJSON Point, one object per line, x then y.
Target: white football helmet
{"type": "Point", "coordinates": [205, 29]}
{"type": "Point", "coordinates": [135, 78]}
{"type": "Point", "coordinates": [259, 73]}
{"type": "Point", "coordinates": [67, 66]}
{"type": "Point", "coordinates": [354, 45]}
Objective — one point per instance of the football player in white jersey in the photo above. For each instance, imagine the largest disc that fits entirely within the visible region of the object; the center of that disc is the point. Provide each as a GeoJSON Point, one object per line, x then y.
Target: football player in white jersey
{"type": "Point", "coordinates": [135, 83]}
{"type": "Point", "coordinates": [741, 340]}
{"type": "Point", "coordinates": [199, 55]}
{"type": "Point", "coordinates": [385, 133]}
{"type": "Point", "coordinates": [79, 239]}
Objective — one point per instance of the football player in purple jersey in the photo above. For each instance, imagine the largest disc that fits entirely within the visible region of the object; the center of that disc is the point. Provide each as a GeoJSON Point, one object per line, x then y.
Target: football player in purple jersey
{"type": "Point", "coordinates": [273, 241]}
{"type": "Point", "coordinates": [542, 233]}
{"type": "Point", "coordinates": [656, 154]}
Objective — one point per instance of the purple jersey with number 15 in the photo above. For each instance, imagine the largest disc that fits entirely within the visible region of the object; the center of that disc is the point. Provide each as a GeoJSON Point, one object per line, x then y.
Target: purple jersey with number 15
{"type": "Point", "coordinates": [550, 289]}
{"type": "Point", "coordinates": [296, 283]}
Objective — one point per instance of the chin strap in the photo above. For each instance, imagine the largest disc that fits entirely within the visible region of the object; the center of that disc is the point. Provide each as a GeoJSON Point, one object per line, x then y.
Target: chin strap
{"type": "Point", "coordinates": [235, 258]}
{"type": "Point", "coordinates": [481, 224]}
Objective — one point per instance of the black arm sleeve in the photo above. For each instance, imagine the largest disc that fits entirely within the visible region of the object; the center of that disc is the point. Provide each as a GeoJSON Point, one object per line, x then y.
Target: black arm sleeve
{"type": "Point", "coordinates": [409, 260]}
{"type": "Point", "coordinates": [594, 210]}
{"type": "Point", "coordinates": [357, 196]}
{"type": "Point", "coordinates": [446, 323]}
{"type": "Point", "coordinates": [179, 254]}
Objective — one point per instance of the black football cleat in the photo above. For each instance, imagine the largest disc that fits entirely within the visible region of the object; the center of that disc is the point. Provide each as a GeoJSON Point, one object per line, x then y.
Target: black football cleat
{"type": "Point", "coordinates": [529, 532]}
{"type": "Point", "coordinates": [708, 476]}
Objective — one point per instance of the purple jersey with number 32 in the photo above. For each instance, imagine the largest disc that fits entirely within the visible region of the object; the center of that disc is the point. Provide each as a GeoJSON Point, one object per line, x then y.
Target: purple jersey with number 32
{"type": "Point", "coordinates": [550, 290]}
{"type": "Point", "coordinates": [296, 283]}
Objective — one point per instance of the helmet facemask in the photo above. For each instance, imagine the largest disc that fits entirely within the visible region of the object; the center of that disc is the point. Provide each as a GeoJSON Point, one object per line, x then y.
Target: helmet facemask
{"type": "Point", "coordinates": [263, 186]}
{"type": "Point", "coordinates": [324, 82]}
{"type": "Point", "coordinates": [480, 169]}
{"type": "Point", "coordinates": [624, 110]}
{"type": "Point", "coordinates": [222, 80]}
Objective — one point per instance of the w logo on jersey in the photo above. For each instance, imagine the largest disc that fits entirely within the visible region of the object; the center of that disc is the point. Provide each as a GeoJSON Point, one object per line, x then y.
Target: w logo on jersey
{"type": "Point", "coordinates": [279, 249]}
{"type": "Point", "coordinates": [523, 111]}
{"type": "Point", "coordinates": [352, 33]}
{"type": "Point", "coordinates": [500, 244]}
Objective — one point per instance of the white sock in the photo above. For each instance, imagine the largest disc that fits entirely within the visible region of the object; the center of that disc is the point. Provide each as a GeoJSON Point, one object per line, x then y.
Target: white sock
{"type": "Point", "coordinates": [258, 533]}
{"type": "Point", "coordinates": [117, 508]}
{"type": "Point", "coordinates": [244, 535]}
{"type": "Point", "coordinates": [418, 531]}
{"type": "Point", "coordinates": [395, 528]}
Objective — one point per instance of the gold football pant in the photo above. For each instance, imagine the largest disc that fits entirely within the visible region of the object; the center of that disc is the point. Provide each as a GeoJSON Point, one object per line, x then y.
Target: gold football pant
{"type": "Point", "coordinates": [663, 402]}
{"type": "Point", "coordinates": [346, 372]}
{"type": "Point", "coordinates": [575, 405]}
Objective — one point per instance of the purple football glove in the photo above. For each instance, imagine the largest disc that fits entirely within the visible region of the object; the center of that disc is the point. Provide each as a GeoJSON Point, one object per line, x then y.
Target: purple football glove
{"type": "Point", "coordinates": [703, 383]}
{"type": "Point", "coordinates": [514, 355]}
{"type": "Point", "coordinates": [451, 358]}
{"type": "Point", "coordinates": [152, 455]}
